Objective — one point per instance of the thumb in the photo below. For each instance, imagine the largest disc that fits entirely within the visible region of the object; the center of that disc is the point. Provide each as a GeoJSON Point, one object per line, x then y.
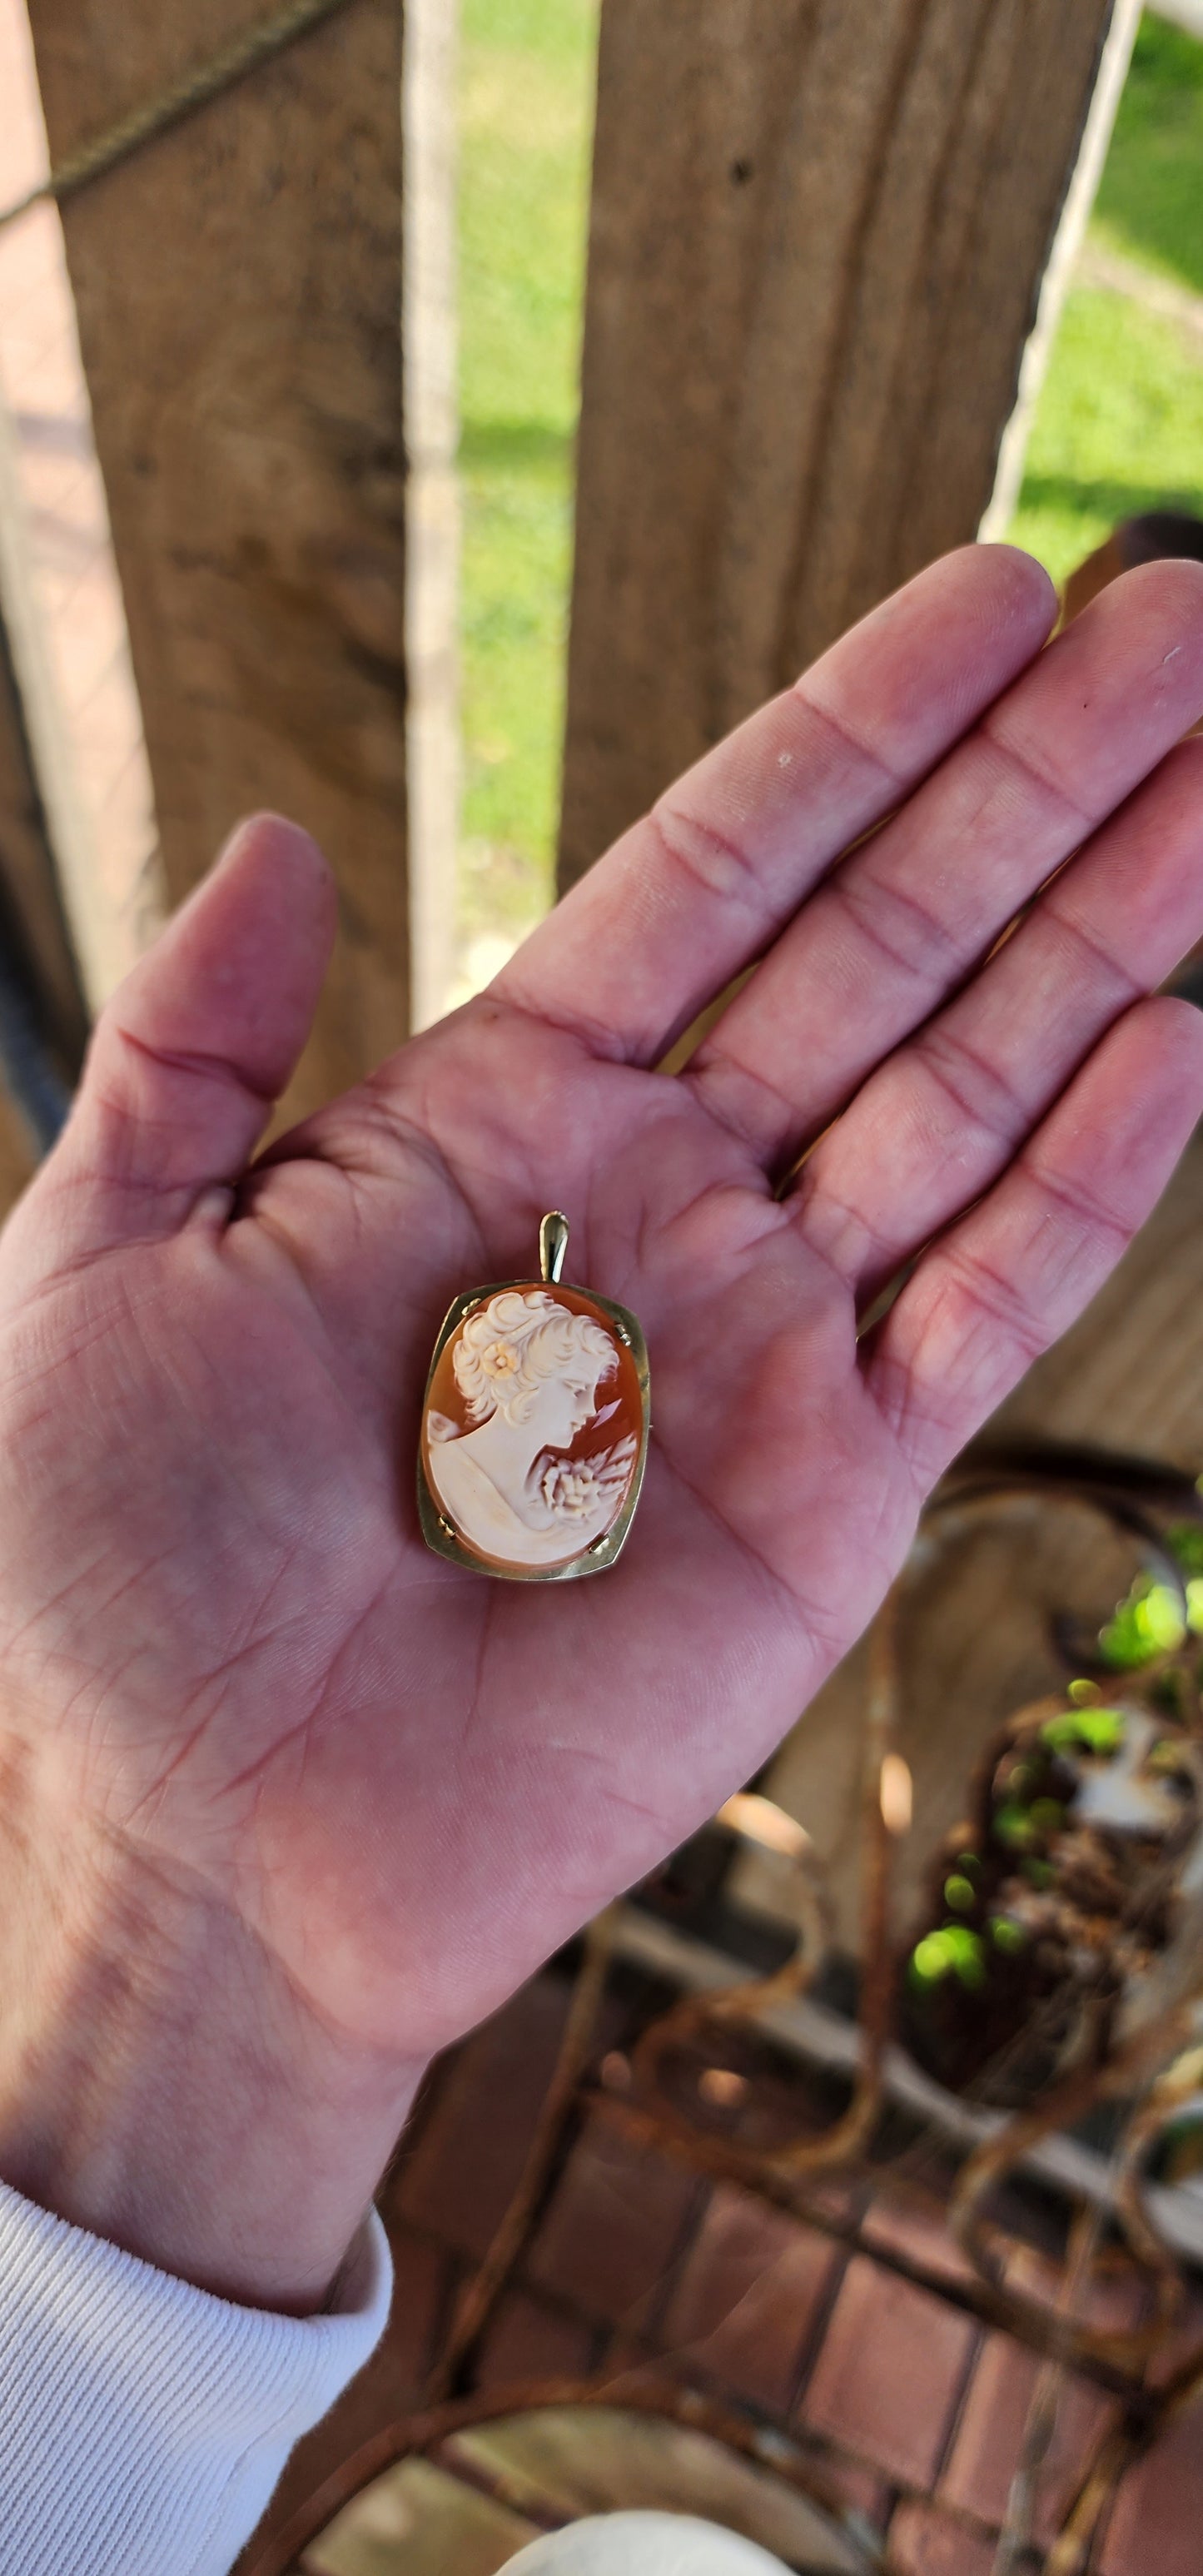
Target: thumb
{"type": "Point", "coordinates": [195, 1047]}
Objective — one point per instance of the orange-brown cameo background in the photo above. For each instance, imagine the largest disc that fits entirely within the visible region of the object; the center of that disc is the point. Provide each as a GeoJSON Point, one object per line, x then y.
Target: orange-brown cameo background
{"type": "Point", "coordinates": [619, 1414]}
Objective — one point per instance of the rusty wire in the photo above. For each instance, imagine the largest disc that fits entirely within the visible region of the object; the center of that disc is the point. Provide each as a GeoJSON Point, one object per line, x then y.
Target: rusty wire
{"type": "Point", "coordinates": [1016, 2535]}
{"type": "Point", "coordinates": [1116, 2452]}
{"type": "Point", "coordinates": [1177, 2084]}
{"type": "Point", "coordinates": [195, 88]}
{"type": "Point", "coordinates": [425, 2432]}
{"type": "Point", "coordinates": [744, 2004]}
{"type": "Point", "coordinates": [807, 1898]}
{"type": "Point", "coordinates": [852, 2133]}
{"type": "Point", "coordinates": [993, 2161]}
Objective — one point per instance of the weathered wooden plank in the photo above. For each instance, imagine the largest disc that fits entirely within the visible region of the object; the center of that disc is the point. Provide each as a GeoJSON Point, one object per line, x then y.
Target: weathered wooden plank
{"type": "Point", "coordinates": [431, 347]}
{"type": "Point", "coordinates": [34, 954]}
{"type": "Point", "coordinates": [61, 601]}
{"type": "Point", "coordinates": [238, 291]}
{"type": "Point", "coordinates": [32, 922]}
{"type": "Point", "coordinates": [16, 1157]}
{"type": "Point", "coordinates": [818, 233]}
{"type": "Point", "coordinates": [1062, 265]}
{"type": "Point", "coordinates": [72, 928]}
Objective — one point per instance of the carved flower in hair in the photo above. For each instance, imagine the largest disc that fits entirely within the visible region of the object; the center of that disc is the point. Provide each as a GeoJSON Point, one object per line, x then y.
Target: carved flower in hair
{"type": "Point", "coordinates": [499, 1360]}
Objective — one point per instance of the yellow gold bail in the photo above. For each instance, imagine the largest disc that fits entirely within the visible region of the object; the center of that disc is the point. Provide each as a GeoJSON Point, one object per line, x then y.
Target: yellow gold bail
{"type": "Point", "coordinates": [553, 1244]}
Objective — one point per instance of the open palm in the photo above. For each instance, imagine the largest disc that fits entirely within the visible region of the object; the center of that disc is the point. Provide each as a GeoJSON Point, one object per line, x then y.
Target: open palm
{"type": "Point", "coordinates": [387, 1787]}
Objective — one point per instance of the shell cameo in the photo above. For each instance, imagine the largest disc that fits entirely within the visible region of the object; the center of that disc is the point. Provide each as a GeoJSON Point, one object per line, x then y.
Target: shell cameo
{"type": "Point", "coordinates": [534, 1427]}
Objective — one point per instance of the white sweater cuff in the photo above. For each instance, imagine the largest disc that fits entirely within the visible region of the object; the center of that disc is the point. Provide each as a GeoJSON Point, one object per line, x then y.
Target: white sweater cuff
{"type": "Point", "coordinates": [143, 2423]}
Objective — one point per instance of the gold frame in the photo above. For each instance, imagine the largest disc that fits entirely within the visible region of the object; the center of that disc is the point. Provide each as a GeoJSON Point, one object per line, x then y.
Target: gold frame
{"type": "Point", "coordinates": [437, 1530]}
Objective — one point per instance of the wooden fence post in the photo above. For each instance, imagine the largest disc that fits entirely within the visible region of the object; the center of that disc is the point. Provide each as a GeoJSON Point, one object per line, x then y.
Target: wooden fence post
{"type": "Point", "coordinates": [42, 1013]}
{"type": "Point", "coordinates": [819, 230]}
{"type": "Point", "coordinates": [430, 342]}
{"type": "Point", "coordinates": [238, 290]}
{"type": "Point", "coordinates": [79, 931]}
{"type": "Point", "coordinates": [31, 910]}
{"type": "Point", "coordinates": [31, 905]}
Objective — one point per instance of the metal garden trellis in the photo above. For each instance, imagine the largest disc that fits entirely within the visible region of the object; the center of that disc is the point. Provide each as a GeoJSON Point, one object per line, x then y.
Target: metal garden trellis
{"type": "Point", "coordinates": [1154, 2067]}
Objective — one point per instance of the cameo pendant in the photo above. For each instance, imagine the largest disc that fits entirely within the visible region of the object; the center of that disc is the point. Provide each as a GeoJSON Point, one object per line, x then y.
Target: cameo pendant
{"type": "Point", "coordinates": [534, 1426]}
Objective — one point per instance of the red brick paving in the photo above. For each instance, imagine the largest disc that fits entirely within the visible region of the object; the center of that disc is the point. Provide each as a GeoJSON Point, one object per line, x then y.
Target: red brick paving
{"type": "Point", "coordinates": [902, 2387]}
{"type": "Point", "coordinates": [862, 2489]}
{"type": "Point", "coordinates": [472, 2146]}
{"type": "Point", "coordinates": [912, 2225]}
{"type": "Point", "coordinates": [615, 2223]}
{"type": "Point", "coordinates": [990, 2433]}
{"type": "Point", "coordinates": [751, 2289]}
{"type": "Point", "coordinates": [1156, 2528]}
{"type": "Point", "coordinates": [530, 2340]}
{"type": "Point", "coordinates": [1115, 2298]}
{"type": "Point", "coordinates": [890, 2372]}
{"type": "Point", "coordinates": [1182, 2341]}
{"type": "Point", "coordinates": [925, 2542]}
{"type": "Point", "coordinates": [420, 2287]}
{"type": "Point", "coordinates": [630, 2369]}
{"type": "Point", "coordinates": [834, 2201]}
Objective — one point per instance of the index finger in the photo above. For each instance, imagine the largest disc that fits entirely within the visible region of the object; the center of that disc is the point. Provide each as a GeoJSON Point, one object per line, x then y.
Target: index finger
{"type": "Point", "coordinates": [696, 891]}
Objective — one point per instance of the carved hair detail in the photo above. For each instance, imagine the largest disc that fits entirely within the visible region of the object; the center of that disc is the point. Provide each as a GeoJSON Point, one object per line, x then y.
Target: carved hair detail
{"type": "Point", "coordinates": [508, 1348]}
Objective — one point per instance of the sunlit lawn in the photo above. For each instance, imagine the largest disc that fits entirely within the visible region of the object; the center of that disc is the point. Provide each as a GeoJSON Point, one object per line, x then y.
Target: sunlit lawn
{"type": "Point", "coordinates": [526, 133]}
{"type": "Point", "coordinates": [1119, 427]}
{"type": "Point", "coordinates": [1120, 423]}
{"type": "Point", "coordinates": [1150, 203]}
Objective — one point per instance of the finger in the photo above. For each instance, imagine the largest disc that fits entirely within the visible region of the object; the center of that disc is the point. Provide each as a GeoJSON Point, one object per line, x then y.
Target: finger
{"type": "Point", "coordinates": [1015, 1272]}
{"type": "Point", "coordinates": [691, 894]}
{"type": "Point", "coordinates": [900, 924]}
{"type": "Point", "coordinates": [192, 1052]}
{"type": "Point", "coordinates": [938, 1122]}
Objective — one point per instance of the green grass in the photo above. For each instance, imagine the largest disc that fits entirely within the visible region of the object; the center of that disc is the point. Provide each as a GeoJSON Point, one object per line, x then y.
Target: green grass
{"type": "Point", "coordinates": [1119, 427]}
{"type": "Point", "coordinates": [1150, 204]}
{"type": "Point", "coordinates": [527, 69]}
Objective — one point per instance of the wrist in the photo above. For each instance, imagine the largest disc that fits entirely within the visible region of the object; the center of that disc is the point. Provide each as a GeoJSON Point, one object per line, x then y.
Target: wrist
{"type": "Point", "coordinates": [161, 2082]}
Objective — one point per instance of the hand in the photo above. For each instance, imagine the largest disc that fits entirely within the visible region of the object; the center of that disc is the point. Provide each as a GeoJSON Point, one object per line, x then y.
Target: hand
{"type": "Point", "coordinates": [289, 1802]}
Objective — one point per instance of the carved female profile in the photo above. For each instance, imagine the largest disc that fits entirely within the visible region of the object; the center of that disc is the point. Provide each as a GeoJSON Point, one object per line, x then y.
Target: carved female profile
{"type": "Point", "coordinates": [534, 1427]}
